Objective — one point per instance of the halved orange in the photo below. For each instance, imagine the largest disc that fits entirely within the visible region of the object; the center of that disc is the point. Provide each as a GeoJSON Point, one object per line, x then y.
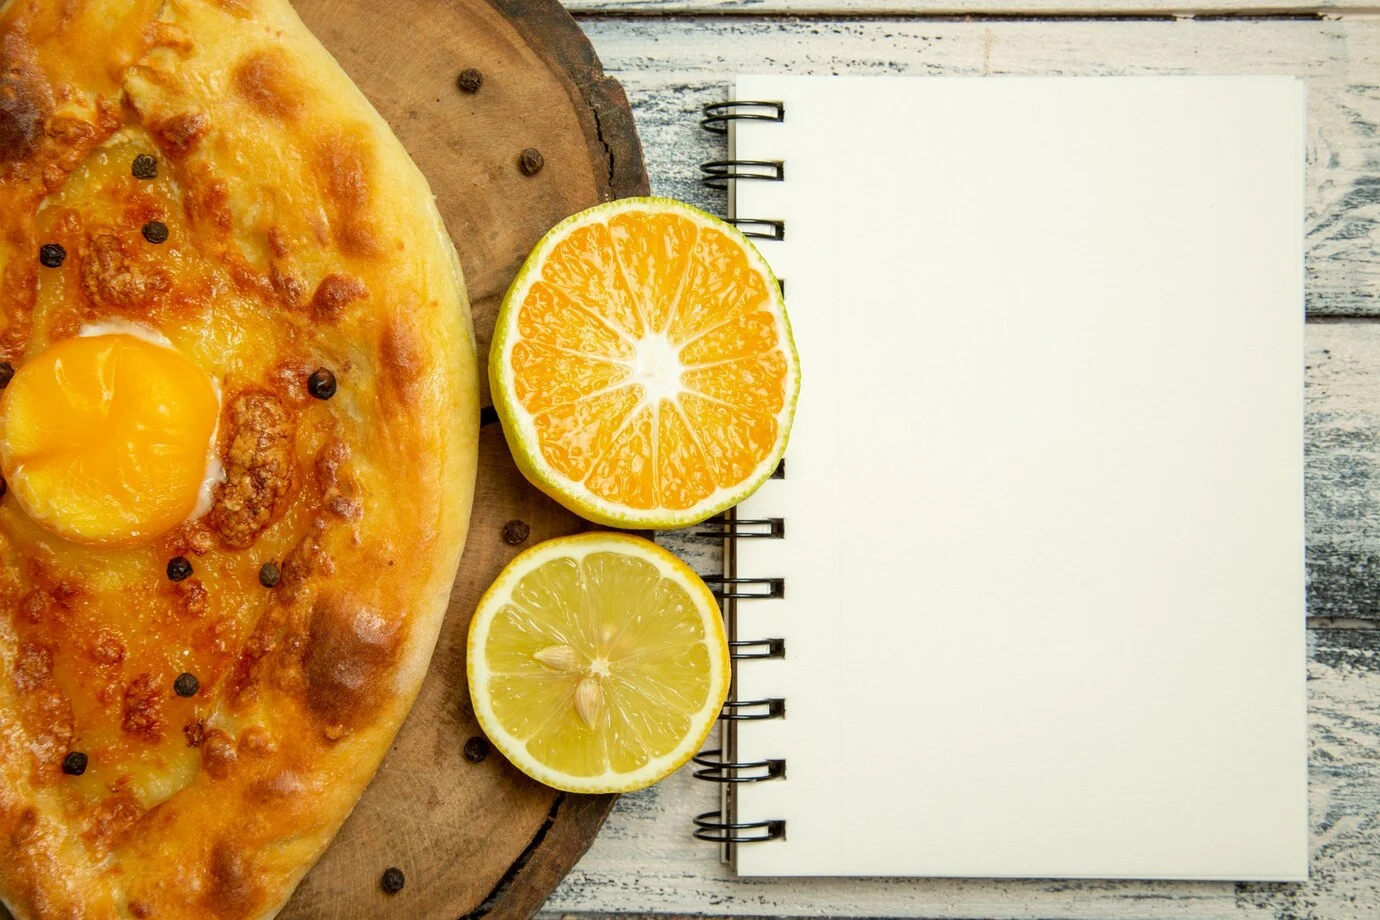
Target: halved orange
{"type": "Point", "coordinates": [643, 366]}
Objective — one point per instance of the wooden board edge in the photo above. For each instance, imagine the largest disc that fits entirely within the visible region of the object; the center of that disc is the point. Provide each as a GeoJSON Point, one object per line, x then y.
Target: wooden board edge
{"type": "Point", "coordinates": [565, 835]}
{"type": "Point", "coordinates": [609, 128]}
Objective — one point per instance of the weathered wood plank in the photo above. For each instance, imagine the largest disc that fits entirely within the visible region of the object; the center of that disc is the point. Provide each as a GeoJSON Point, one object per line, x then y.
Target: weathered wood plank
{"type": "Point", "coordinates": [1342, 469]}
{"type": "Point", "coordinates": [969, 7]}
{"type": "Point", "coordinates": [645, 861]}
{"type": "Point", "coordinates": [672, 66]}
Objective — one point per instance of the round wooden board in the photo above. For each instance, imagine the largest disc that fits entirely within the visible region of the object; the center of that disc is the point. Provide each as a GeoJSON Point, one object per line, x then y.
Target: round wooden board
{"type": "Point", "coordinates": [476, 839]}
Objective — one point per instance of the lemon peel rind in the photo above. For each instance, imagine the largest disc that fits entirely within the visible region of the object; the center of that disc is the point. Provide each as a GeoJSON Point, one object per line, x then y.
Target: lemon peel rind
{"type": "Point", "coordinates": [577, 547]}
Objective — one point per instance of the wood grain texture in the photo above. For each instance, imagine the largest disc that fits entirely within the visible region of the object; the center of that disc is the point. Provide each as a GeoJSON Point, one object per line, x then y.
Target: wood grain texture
{"type": "Point", "coordinates": [1043, 8]}
{"type": "Point", "coordinates": [543, 87]}
{"type": "Point", "coordinates": [672, 66]}
{"type": "Point", "coordinates": [475, 837]}
{"type": "Point", "coordinates": [645, 860]}
{"type": "Point", "coordinates": [1342, 469]}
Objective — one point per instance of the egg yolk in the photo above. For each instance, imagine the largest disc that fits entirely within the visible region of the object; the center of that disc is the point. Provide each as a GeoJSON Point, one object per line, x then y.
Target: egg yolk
{"type": "Point", "coordinates": [105, 439]}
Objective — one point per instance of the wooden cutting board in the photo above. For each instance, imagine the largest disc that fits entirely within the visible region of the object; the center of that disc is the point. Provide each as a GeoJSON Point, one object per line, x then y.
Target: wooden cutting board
{"type": "Point", "coordinates": [471, 834]}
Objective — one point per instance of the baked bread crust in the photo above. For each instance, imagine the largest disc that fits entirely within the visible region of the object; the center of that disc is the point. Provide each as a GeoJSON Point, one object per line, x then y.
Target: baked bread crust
{"type": "Point", "coordinates": [300, 236]}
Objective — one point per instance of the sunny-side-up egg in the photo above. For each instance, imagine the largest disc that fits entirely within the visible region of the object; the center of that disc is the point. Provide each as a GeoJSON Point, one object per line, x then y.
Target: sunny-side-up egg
{"type": "Point", "coordinates": [109, 437]}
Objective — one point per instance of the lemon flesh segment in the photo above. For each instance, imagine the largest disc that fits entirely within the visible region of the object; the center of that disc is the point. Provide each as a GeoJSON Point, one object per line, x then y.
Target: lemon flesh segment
{"type": "Point", "coordinates": [598, 662]}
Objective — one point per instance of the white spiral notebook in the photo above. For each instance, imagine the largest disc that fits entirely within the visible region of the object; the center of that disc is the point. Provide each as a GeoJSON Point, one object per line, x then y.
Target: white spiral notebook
{"type": "Point", "coordinates": [1030, 592]}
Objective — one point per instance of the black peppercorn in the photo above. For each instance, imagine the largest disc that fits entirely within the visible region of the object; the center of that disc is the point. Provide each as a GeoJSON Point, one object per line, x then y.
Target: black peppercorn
{"type": "Point", "coordinates": [321, 383]}
{"type": "Point", "coordinates": [186, 684]}
{"type": "Point", "coordinates": [269, 574]}
{"type": "Point", "coordinates": [393, 880]}
{"type": "Point", "coordinates": [74, 764]}
{"type": "Point", "coordinates": [515, 532]}
{"type": "Point", "coordinates": [52, 255]}
{"type": "Point", "coordinates": [144, 167]}
{"type": "Point", "coordinates": [179, 568]}
{"type": "Point", "coordinates": [6, 374]}
{"type": "Point", "coordinates": [156, 232]}
{"type": "Point", "coordinates": [476, 749]}
{"type": "Point", "coordinates": [531, 161]}
{"type": "Point", "coordinates": [470, 80]}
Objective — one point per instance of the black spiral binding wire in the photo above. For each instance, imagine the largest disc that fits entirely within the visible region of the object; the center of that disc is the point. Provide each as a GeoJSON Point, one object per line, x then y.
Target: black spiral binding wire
{"type": "Point", "coordinates": [772, 707]}
{"type": "Point", "coordinates": [717, 115]}
{"type": "Point", "coordinates": [745, 588]}
{"type": "Point", "coordinates": [758, 228]}
{"type": "Point", "coordinates": [718, 173]}
{"type": "Point", "coordinates": [736, 832]}
{"type": "Point", "coordinates": [720, 764]}
{"type": "Point", "coordinates": [756, 649]}
{"type": "Point", "coordinates": [713, 769]}
{"type": "Point", "coordinates": [744, 528]}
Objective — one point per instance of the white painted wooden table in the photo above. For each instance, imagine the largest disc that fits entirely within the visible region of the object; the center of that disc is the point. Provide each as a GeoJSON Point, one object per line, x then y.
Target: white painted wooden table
{"type": "Point", "coordinates": [675, 55]}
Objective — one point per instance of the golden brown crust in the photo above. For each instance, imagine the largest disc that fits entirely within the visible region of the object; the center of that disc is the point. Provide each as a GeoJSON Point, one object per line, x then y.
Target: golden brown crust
{"type": "Point", "coordinates": [25, 99]}
{"type": "Point", "coordinates": [116, 280]}
{"type": "Point", "coordinates": [264, 80]}
{"type": "Point", "coordinates": [334, 295]}
{"type": "Point", "coordinates": [180, 133]}
{"type": "Point", "coordinates": [350, 650]}
{"type": "Point", "coordinates": [284, 254]}
{"type": "Point", "coordinates": [258, 467]}
{"type": "Point", "coordinates": [233, 890]}
{"type": "Point", "coordinates": [345, 169]}
{"type": "Point", "coordinates": [143, 710]}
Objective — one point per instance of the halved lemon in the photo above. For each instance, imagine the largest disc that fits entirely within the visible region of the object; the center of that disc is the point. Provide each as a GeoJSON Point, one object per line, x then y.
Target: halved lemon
{"type": "Point", "coordinates": [597, 663]}
{"type": "Point", "coordinates": [643, 366]}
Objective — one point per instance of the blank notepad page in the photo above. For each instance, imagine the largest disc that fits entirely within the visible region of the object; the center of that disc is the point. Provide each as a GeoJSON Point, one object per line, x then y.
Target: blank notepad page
{"type": "Point", "coordinates": [1044, 610]}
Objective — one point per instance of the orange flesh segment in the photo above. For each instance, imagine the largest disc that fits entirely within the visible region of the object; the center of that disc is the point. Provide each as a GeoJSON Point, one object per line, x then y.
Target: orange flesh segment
{"type": "Point", "coordinates": [611, 410]}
